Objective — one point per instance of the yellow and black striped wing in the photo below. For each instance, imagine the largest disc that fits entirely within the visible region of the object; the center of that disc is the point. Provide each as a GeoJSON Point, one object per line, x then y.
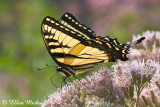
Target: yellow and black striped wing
{"type": "Point", "coordinates": [71, 22]}
{"type": "Point", "coordinates": [69, 48]}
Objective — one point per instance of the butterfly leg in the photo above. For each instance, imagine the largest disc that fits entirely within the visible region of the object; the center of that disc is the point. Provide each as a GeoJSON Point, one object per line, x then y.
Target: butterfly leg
{"type": "Point", "coordinates": [76, 78]}
{"type": "Point", "coordinates": [52, 79]}
{"type": "Point", "coordinates": [70, 80]}
{"type": "Point", "coordinates": [63, 80]}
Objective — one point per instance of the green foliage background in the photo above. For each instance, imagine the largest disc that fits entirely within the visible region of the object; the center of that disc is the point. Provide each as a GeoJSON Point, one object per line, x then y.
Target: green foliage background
{"type": "Point", "coordinates": [22, 49]}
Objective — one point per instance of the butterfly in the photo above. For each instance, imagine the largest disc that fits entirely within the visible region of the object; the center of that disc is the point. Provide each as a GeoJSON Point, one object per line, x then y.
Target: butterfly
{"type": "Point", "coordinates": [76, 48]}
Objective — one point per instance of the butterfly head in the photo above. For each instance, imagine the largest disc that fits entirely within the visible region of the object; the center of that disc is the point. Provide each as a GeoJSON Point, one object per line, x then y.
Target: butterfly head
{"type": "Point", "coordinates": [121, 54]}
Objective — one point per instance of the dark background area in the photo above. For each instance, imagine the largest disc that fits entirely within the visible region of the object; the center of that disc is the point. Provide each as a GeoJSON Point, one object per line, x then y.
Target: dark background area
{"type": "Point", "coordinates": [22, 49]}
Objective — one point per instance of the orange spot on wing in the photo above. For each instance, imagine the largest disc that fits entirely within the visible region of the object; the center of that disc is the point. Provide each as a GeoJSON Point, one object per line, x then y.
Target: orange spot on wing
{"type": "Point", "coordinates": [116, 60]}
{"type": "Point", "coordinates": [89, 42]}
{"type": "Point", "coordinates": [123, 56]}
{"type": "Point", "coordinates": [99, 42]}
{"type": "Point", "coordinates": [97, 39]}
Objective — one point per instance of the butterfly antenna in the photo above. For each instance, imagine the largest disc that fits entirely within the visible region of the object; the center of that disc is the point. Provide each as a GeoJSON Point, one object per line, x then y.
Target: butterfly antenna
{"type": "Point", "coordinates": [136, 42]}
{"type": "Point", "coordinates": [52, 79]}
{"type": "Point", "coordinates": [47, 66]}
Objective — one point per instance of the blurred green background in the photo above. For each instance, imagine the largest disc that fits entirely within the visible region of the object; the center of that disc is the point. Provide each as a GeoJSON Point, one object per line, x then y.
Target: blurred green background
{"type": "Point", "coordinates": [22, 49]}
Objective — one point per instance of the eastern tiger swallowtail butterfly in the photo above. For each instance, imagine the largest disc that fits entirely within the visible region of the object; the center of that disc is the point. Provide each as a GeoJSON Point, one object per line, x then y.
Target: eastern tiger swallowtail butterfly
{"type": "Point", "coordinates": [76, 48]}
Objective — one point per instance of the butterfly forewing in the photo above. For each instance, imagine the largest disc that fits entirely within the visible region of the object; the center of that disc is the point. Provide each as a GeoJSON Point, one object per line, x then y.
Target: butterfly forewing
{"type": "Point", "coordinates": [68, 48]}
{"type": "Point", "coordinates": [71, 22]}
